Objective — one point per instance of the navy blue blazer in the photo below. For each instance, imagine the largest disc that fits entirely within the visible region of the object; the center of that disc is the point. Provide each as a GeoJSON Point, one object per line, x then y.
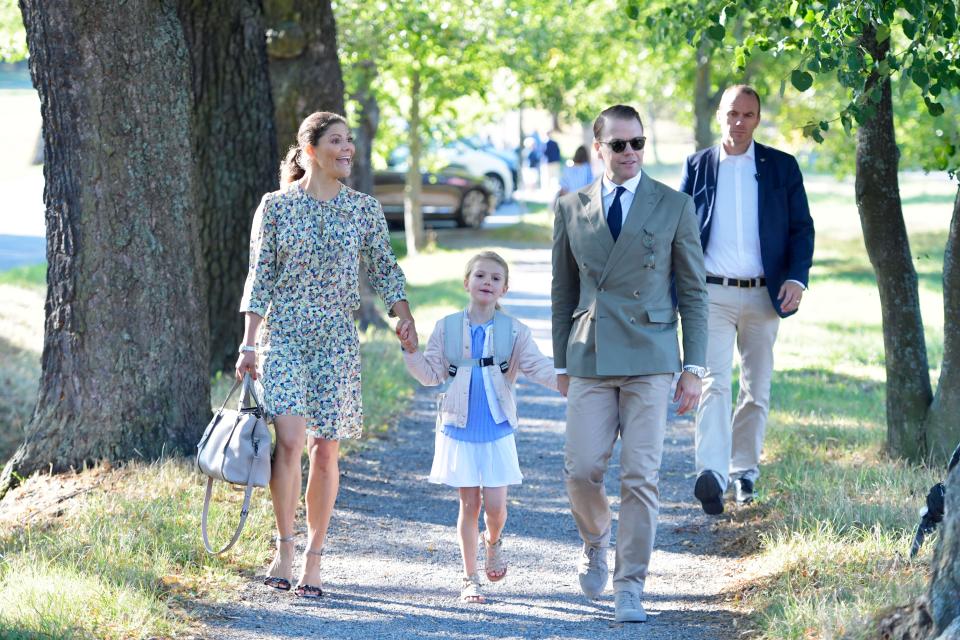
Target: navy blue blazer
{"type": "Point", "coordinates": [786, 228]}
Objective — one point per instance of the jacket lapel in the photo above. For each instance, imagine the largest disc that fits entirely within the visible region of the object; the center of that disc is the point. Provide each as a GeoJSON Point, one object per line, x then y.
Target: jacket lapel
{"type": "Point", "coordinates": [592, 203]}
{"type": "Point", "coordinates": [713, 170]}
{"type": "Point", "coordinates": [763, 182]}
{"type": "Point", "coordinates": [644, 202]}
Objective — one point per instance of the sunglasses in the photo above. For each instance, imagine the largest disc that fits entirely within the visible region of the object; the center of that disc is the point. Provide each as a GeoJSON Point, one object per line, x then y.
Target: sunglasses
{"type": "Point", "coordinates": [619, 145]}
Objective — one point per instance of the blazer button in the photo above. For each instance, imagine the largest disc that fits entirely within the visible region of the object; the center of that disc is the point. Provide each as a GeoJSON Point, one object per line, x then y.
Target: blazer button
{"type": "Point", "coordinates": [600, 289]}
{"type": "Point", "coordinates": [632, 321]}
{"type": "Point", "coordinates": [636, 294]}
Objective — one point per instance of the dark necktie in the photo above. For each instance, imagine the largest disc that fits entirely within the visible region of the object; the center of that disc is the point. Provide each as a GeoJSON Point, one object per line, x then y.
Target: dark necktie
{"type": "Point", "coordinates": [615, 215]}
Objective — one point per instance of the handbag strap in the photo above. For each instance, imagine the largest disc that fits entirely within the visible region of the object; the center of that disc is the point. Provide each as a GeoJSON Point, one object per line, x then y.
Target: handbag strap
{"type": "Point", "coordinates": [249, 389]}
{"type": "Point", "coordinates": [244, 512]}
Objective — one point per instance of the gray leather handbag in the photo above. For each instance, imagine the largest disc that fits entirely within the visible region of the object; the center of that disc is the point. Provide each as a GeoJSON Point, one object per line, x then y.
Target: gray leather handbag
{"type": "Point", "coordinates": [235, 448]}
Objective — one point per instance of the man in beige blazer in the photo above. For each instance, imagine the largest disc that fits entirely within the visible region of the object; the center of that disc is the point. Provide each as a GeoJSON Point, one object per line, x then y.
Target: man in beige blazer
{"type": "Point", "coordinates": [615, 245]}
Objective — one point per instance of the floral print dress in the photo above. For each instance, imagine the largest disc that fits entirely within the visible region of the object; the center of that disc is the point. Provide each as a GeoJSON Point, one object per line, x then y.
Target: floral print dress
{"type": "Point", "coordinates": [303, 279]}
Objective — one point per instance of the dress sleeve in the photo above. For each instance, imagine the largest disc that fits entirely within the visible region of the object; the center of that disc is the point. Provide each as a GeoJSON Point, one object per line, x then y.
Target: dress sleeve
{"type": "Point", "coordinates": [262, 273]}
{"type": "Point", "coordinates": [384, 273]}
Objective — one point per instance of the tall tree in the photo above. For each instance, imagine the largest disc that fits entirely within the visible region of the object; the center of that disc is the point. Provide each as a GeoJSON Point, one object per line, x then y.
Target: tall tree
{"type": "Point", "coordinates": [304, 68]}
{"type": "Point", "coordinates": [234, 150]}
{"type": "Point", "coordinates": [125, 338]}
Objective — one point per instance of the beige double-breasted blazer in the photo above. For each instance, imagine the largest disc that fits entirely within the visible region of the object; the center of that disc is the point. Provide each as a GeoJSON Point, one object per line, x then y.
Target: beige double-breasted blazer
{"type": "Point", "coordinates": [613, 311]}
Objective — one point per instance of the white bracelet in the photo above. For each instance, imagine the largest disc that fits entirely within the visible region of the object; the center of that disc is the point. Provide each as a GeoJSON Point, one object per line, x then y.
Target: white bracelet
{"type": "Point", "coordinates": [244, 348]}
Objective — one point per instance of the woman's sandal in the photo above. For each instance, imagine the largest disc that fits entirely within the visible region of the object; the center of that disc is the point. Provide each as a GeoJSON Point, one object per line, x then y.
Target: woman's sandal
{"type": "Point", "coordinates": [470, 590]}
{"type": "Point", "coordinates": [276, 582]}
{"type": "Point", "coordinates": [496, 564]}
{"type": "Point", "coordinates": [308, 590]}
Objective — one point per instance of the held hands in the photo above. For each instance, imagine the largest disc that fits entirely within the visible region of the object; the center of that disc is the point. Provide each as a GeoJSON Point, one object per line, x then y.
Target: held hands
{"type": "Point", "coordinates": [563, 383]}
{"type": "Point", "coordinates": [247, 363]}
{"type": "Point", "coordinates": [407, 334]}
{"type": "Point", "coordinates": [789, 296]}
{"type": "Point", "coordinates": [688, 392]}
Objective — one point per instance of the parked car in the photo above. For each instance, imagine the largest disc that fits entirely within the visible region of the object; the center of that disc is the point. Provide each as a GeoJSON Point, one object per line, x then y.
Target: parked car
{"type": "Point", "coordinates": [452, 194]}
{"type": "Point", "coordinates": [495, 171]}
{"type": "Point", "coordinates": [508, 156]}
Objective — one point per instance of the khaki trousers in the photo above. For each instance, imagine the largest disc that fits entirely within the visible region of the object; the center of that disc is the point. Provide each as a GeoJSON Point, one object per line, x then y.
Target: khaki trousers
{"type": "Point", "coordinates": [598, 410]}
{"type": "Point", "coordinates": [745, 318]}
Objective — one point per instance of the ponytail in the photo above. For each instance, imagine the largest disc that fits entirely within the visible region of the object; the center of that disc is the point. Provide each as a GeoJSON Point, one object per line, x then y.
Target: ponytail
{"type": "Point", "coordinates": [290, 168]}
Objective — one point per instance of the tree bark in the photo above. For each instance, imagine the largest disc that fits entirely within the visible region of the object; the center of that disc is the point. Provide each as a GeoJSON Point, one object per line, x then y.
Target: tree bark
{"type": "Point", "coordinates": [704, 107]}
{"type": "Point", "coordinates": [368, 114]}
{"type": "Point", "coordinates": [944, 595]}
{"type": "Point", "coordinates": [304, 67]}
{"type": "Point", "coordinates": [942, 426]}
{"type": "Point", "coordinates": [885, 236]}
{"type": "Point", "coordinates": [125, 338]}
{"type": "Point", "coordinates": [234, 147]}
{"type": "Point", "coordinates": [412, 213]}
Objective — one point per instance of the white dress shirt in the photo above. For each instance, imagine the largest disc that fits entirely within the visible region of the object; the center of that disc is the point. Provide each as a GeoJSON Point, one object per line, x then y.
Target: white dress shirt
{"type": "Point", "coordinates": [608, 189]}
{"type": "Point", "coordinates": [733, 250]}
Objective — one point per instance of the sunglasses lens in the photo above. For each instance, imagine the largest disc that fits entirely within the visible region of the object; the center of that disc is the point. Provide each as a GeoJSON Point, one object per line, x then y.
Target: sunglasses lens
{"type": "Point", "coordinates": [637, 143]}
{"type": "Point", "coordinates": [618, 146]}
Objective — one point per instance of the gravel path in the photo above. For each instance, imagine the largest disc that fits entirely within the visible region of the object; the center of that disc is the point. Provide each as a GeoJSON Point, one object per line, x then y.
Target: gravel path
{"type": "Point", "coordinates": [392, 567]}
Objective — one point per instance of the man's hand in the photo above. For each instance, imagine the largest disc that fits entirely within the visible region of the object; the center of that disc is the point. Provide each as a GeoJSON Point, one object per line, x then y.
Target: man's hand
{"type": "Point", "coordinates": [563, 383]}
{"type": "Point", "coordinates": [789, 296]}
{"type": "Point", "coordinates": [688, 392]}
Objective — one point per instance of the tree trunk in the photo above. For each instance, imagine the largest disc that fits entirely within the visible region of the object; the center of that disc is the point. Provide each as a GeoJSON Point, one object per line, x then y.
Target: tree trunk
{"type": "Point", "coordinates": [942, 427]}
{"type": "Point", "coordinates": [944, 595]}
{"type": "Point", "coordinates": [304, 68]}
{"type": "Point", "coordinates": [125, 338]}
{"type": "Point", "coordinates": [412, 213]}
{"type": "Point", "coordinates": [234, 147]}
{"type": "Point", "coordinates": [885, 237]}
{"type": "Point", "coordinates": [704, 108]}
{"type": "Point", "coordinates": [652, 133]}
{"type": "Point", "coordinates": [368, 114]}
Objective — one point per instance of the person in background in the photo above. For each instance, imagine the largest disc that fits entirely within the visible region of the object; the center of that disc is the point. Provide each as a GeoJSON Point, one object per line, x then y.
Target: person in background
{"type": "Point", "coordinates": [757, 238]}
{"type": "Point", "coordinates": [577, 174]}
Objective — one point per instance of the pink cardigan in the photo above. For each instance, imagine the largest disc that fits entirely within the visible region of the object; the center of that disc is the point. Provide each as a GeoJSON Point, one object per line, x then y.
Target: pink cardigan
{"type": "Point", "coordinates": [430, 368]}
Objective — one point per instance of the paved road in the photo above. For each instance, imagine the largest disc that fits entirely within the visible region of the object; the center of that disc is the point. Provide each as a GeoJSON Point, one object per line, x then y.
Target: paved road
{"type": "Point", "coordinates": [391, 569]}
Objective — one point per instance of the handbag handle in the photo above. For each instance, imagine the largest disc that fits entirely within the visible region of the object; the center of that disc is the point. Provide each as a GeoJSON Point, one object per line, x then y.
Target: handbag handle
{"type": "Point", "coordinates": [248, 390]}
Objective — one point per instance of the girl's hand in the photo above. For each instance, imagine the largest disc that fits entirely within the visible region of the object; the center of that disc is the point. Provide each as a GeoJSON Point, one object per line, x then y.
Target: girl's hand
{"type": "Point", "coordinates": [407, 334]}
{"type": "Point", "coordinates": [247, 363]}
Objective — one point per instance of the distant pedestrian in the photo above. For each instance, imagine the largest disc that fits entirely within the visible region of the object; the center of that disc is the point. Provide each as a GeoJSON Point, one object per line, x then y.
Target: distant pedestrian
{"type": "Point", "coordinates": [484, 350]}
{"type": "Point", "coordinates": [578, 173]}
{"type": "Point", "coordinates": [554, 161]}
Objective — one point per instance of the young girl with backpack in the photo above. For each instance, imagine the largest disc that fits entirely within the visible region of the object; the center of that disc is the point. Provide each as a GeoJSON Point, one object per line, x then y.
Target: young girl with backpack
{"type": "Point", "coordinates": [483, 350]}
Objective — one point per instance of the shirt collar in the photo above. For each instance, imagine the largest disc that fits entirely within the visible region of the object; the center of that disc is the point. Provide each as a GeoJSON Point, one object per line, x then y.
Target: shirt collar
{"type": "Point", "coordinates": [630, 185]}
{"type": "Point", "coordinates": [749, 153]}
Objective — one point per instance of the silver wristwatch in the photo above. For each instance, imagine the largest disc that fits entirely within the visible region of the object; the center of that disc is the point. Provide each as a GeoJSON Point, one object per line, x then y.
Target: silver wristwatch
{"type": "Point", "coordinates": [244, 348]}
{"type": "Point", "coordinates": [695, 370]}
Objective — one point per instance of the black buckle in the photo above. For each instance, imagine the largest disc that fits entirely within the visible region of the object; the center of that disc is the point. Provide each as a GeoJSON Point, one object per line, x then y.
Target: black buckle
{"type": "Point", "coordinates": [452, 370]}
{"type": "Point", "coordinates": [504, 366]}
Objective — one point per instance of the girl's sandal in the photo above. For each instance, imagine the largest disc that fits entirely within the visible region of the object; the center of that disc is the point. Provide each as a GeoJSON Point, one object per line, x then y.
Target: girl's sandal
{"type": "Point", "coordinates": [277, 582]}
{"type": "Point", "coordinates": [470, 590]}
{"type": "Point", "coordinates": [309, 590]}
{"type": "Point", "coordinates": [496, 563]}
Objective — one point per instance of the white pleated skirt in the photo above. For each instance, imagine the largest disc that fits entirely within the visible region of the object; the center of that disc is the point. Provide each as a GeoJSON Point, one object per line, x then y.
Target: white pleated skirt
{"type": "Point", "coordinates": [475, 464]}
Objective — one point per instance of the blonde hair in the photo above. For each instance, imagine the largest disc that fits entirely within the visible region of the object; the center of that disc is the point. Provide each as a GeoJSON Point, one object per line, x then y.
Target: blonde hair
{"type": "Point", "coordinates": [492, 256]}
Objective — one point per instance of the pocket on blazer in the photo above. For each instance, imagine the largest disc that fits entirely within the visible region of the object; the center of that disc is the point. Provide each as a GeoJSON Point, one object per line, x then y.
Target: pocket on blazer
{"type": "Point", "coordinates": [664, 316]}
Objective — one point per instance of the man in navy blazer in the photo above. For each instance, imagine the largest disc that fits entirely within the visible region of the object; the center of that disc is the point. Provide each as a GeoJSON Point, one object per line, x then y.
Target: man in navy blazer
{"type": "Point", "coordinates": [757, 237]}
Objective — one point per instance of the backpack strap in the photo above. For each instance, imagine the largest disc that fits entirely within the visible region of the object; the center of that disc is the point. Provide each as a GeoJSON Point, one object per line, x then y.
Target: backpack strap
{"type": "Point", "coordinates": [503, 340]}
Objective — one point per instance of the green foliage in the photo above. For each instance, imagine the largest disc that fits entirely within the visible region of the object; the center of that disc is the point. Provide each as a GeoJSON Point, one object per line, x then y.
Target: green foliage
{"type": "Point", "coordinates": [13, 37]}
{"type": "Point", "coordinates": [857, 44]}
{"type": "Point", "coordinates": [31, 276]}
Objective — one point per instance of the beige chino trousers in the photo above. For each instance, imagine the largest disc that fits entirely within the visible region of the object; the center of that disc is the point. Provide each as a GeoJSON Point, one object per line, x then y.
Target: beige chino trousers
{"type": "Point", "coordinates": [598, 411]}
{"type": "Point", "coordinates": [731, 447]}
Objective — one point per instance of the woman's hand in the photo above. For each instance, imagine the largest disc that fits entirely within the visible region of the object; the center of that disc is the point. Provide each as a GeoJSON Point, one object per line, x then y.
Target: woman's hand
{"type": "Point", "coordinates": [407, 334]}
{"type": "Point", "coordinates": [247, 363]}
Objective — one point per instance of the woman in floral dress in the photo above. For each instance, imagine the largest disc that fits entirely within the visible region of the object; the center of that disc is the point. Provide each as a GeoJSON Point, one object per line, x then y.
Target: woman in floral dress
{"type": "Point", "coordinates": [298, 302]}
